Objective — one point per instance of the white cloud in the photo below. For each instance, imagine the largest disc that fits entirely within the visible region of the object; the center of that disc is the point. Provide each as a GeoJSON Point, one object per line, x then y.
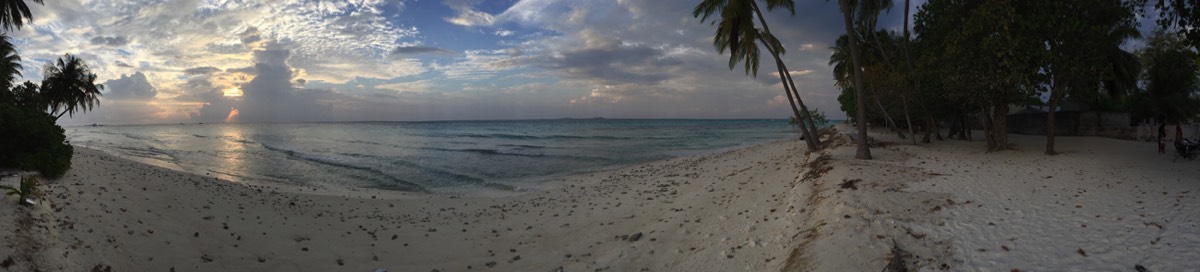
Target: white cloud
{"type": "Point", "coordinates": [467, 15]}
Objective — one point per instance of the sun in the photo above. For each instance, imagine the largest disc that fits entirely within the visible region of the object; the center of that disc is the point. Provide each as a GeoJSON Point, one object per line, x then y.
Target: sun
{"type": "Point", "coordinates": [235, 91]}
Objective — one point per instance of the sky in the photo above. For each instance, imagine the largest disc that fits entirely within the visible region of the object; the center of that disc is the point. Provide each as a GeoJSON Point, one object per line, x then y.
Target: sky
{"type": "Point", "coordinates": [183, 61]}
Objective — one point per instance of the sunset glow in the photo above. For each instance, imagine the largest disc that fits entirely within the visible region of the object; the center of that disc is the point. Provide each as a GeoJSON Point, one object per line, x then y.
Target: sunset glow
{"type": "Point", "coordinates": [233, 114]}
{"type": "Point", "coordinates": [233, 92]}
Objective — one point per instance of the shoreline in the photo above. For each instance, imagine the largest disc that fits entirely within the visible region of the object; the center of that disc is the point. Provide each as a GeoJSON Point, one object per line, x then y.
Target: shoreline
{"type": "Point", "coordinates": [519, 186]}
{"type": "Point", "coordinates": [115, 212]}
{"type": "Point", "coordinates": [1100, 205]}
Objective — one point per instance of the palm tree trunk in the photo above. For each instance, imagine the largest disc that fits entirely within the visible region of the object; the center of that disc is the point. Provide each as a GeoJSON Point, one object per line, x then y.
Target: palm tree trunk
{"type": "Point", "coordinates": [907, 118]}
{"type": "Point", "coordinates": [809, 139]}
{"type": "Point", "coordinates": [812, 125]}
{"type": "Point", "coordinates": [806, 124]}
{"type": "Point", "coordinates": [887, 118]}
{"type": "Point", "coordinates": [864, 151]}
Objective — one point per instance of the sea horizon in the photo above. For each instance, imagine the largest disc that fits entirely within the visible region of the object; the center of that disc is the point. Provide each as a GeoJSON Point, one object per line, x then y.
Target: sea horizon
{"type": "Point", "coordinates": [421, 156]}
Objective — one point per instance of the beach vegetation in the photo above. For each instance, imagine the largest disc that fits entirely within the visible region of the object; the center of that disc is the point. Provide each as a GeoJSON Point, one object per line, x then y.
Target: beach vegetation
{"type": "Point", "coordinates": [69, 87]}
{"type": "Point", "coordinates": [981, 58]}
{"type": "Point", "coordinates": [1082, 42]}
{"type": "Point", "coordinates": [1182, 16]}
{"type": "Point", "coordinates": [848, 11]}
{"type": "Point", "coordinates": [32, 141]}
{"type": "Point", "coordinates": [15, 13]}
{"type": "Point", "coordinates": [26, 189]}
{"type": "Point", "coordinates": [738, 32]}
{"type": "Point", "coordinates": [31, 138]}
{"type": "Point", "coordinates": [1171, 80]}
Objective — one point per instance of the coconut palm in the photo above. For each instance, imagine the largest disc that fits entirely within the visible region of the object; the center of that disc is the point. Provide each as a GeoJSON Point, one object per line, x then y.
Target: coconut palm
{"type": "Point", "coordinates": [70, 86]}
{"type": "Point", "coordinates": [10, 63]}
{"type": "Point", "coordinates": [864, 151]}
{"type": "Point", "coordinates": [736, 32]}
{"type": "Point", "coordinates": [15, 13]}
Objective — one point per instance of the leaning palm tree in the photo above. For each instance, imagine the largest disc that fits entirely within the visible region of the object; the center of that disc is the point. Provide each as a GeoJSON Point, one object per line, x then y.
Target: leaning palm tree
{"type": "Point", "coordinates": [10, 63]}
{"type": "Point", "coordinates": [736, 32]}
{"type": "Point", "coordinates": [69, 87]}
{"type": "Point", "coordinates": [15, 13]}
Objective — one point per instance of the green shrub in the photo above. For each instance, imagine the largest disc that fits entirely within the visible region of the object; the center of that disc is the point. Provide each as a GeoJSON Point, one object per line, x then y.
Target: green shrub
{"type": "Point", "coordinates": [30, 140]}
{"type": "Point", "coordinates": [28, 188]}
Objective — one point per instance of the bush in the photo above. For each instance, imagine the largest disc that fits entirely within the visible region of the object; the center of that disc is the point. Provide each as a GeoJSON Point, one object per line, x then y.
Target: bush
{"type": "Point", "coordinates": [30, 140]}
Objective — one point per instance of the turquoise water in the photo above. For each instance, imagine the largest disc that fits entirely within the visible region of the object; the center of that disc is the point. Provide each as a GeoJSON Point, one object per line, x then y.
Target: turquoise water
{"type": "Point", "coordinates": [420, 156]}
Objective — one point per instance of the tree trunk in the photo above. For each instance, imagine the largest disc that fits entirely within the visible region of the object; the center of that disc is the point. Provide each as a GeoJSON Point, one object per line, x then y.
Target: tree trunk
{"type": "Point", "coordinates": [966, 126]}
{"type": "Point", "coordinates": [1000, 125]}
{"type": "Point", "coordinates": [937, 132]}
{"type": "Point", "coordinates": [1056, 94]}
{"type": "Point", "coordinates": [812, 125]}
{"type": "Point", "coordinates": [789, 88]}
{"type": "Point", "coordinates": [887, 118]}
{"type": "Point", "coordinates": [864, 150]}
{"type": "Point", "coordinates": [954, 129]}
{"type": "Point", "coordinates": [809, 139]}
{"type": "Point", "coordinates": [908, 119]}
{"type": "Point", "coordinates": [985, 122]}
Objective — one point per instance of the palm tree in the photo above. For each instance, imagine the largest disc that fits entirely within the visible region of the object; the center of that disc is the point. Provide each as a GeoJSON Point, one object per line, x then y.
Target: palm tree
{"type": "Point", "coordinates": [736, 31]}
{"type": "Point", "coordinates": [70, 86]}
{"type": "Point", "coordinates": [15, 13]}
{"type": "Point", "coordinates": [864, 151]}
{"type": "Point", "coordinates": [10, 63]}
{"type": "Point", "coordinates": [842, 76]}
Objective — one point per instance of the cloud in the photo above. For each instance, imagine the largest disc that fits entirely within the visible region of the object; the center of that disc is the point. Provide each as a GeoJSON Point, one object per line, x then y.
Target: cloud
{"type": "Point", "coordinates": [132, 87]}
{"type": "Point", "coordinates": [467, 15]}
{"type": "Point", "coordinates": [410, 50]}
{"type": "Point", "coordinates": [421, 86]}
{"type": "Point", "coordinates": [201, 70]}
{"type": "Point", "coordinates": [363, 60]}
{"type": "Point", "coordinates": [110, 41]}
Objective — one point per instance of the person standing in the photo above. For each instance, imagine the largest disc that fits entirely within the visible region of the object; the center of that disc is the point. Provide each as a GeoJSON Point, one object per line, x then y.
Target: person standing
{"type": "Point", "coordinates": [1162, 138]}
{"type": "Point", "coordinates": [1178, 132]}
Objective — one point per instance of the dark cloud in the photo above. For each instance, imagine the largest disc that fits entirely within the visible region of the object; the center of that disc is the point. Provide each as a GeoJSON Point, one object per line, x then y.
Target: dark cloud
{"type": "Point", "coordinates": [268, 97]}
{"type": "Point", "coordinates": [225, 48]}
{"type": "Point", "coordinates": [110, 40]}
{"type": "Point", "coordinates": [246, 70]}
{"type": "Point", "coordinates": [409, 50]}
{"type": "Point", "coordinates": [609, 61]}
{"type": "Point", "coordinates": [250, 36]}
{"type": "Point", "coordinates": [122, 64]}
{"type": "Point", "coordinates": [201, 70]}
{"type": "Point", "coordinates": [131, 87]}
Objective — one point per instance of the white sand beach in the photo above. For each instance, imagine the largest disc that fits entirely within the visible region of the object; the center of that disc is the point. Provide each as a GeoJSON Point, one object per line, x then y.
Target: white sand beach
{"type": "Point", "coordinates": [1103, 205]}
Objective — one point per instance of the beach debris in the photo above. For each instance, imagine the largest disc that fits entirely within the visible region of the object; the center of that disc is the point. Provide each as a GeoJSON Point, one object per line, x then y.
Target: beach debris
{"type": "Point", "coordinates": [6, 263]}
{"type": "Point", "coordinates": [635, 237]}
{"type": "Point", "coordinates": [340, 262]}
{"type": "Point", "coordinates": [1140, 268]}
{"type": "Point", "coordinates": [102, 268]}
{"type": "Point", "coordinates": [850, 184]}
{"type": "Point", "coordinates": [490, 264]}
{"type": "Point", "coordinates": [1081, 252]}
{"type": "Point", "coordinates": [896, 259]}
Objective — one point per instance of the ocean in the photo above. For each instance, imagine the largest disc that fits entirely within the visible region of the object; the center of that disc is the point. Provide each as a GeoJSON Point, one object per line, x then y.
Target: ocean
{"type": "Point", "coordinates": [420, 156]}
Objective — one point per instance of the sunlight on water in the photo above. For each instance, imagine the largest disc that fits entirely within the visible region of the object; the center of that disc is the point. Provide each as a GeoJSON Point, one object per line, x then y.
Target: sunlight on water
{"type": "Point", "coordinates": [420, 156]}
